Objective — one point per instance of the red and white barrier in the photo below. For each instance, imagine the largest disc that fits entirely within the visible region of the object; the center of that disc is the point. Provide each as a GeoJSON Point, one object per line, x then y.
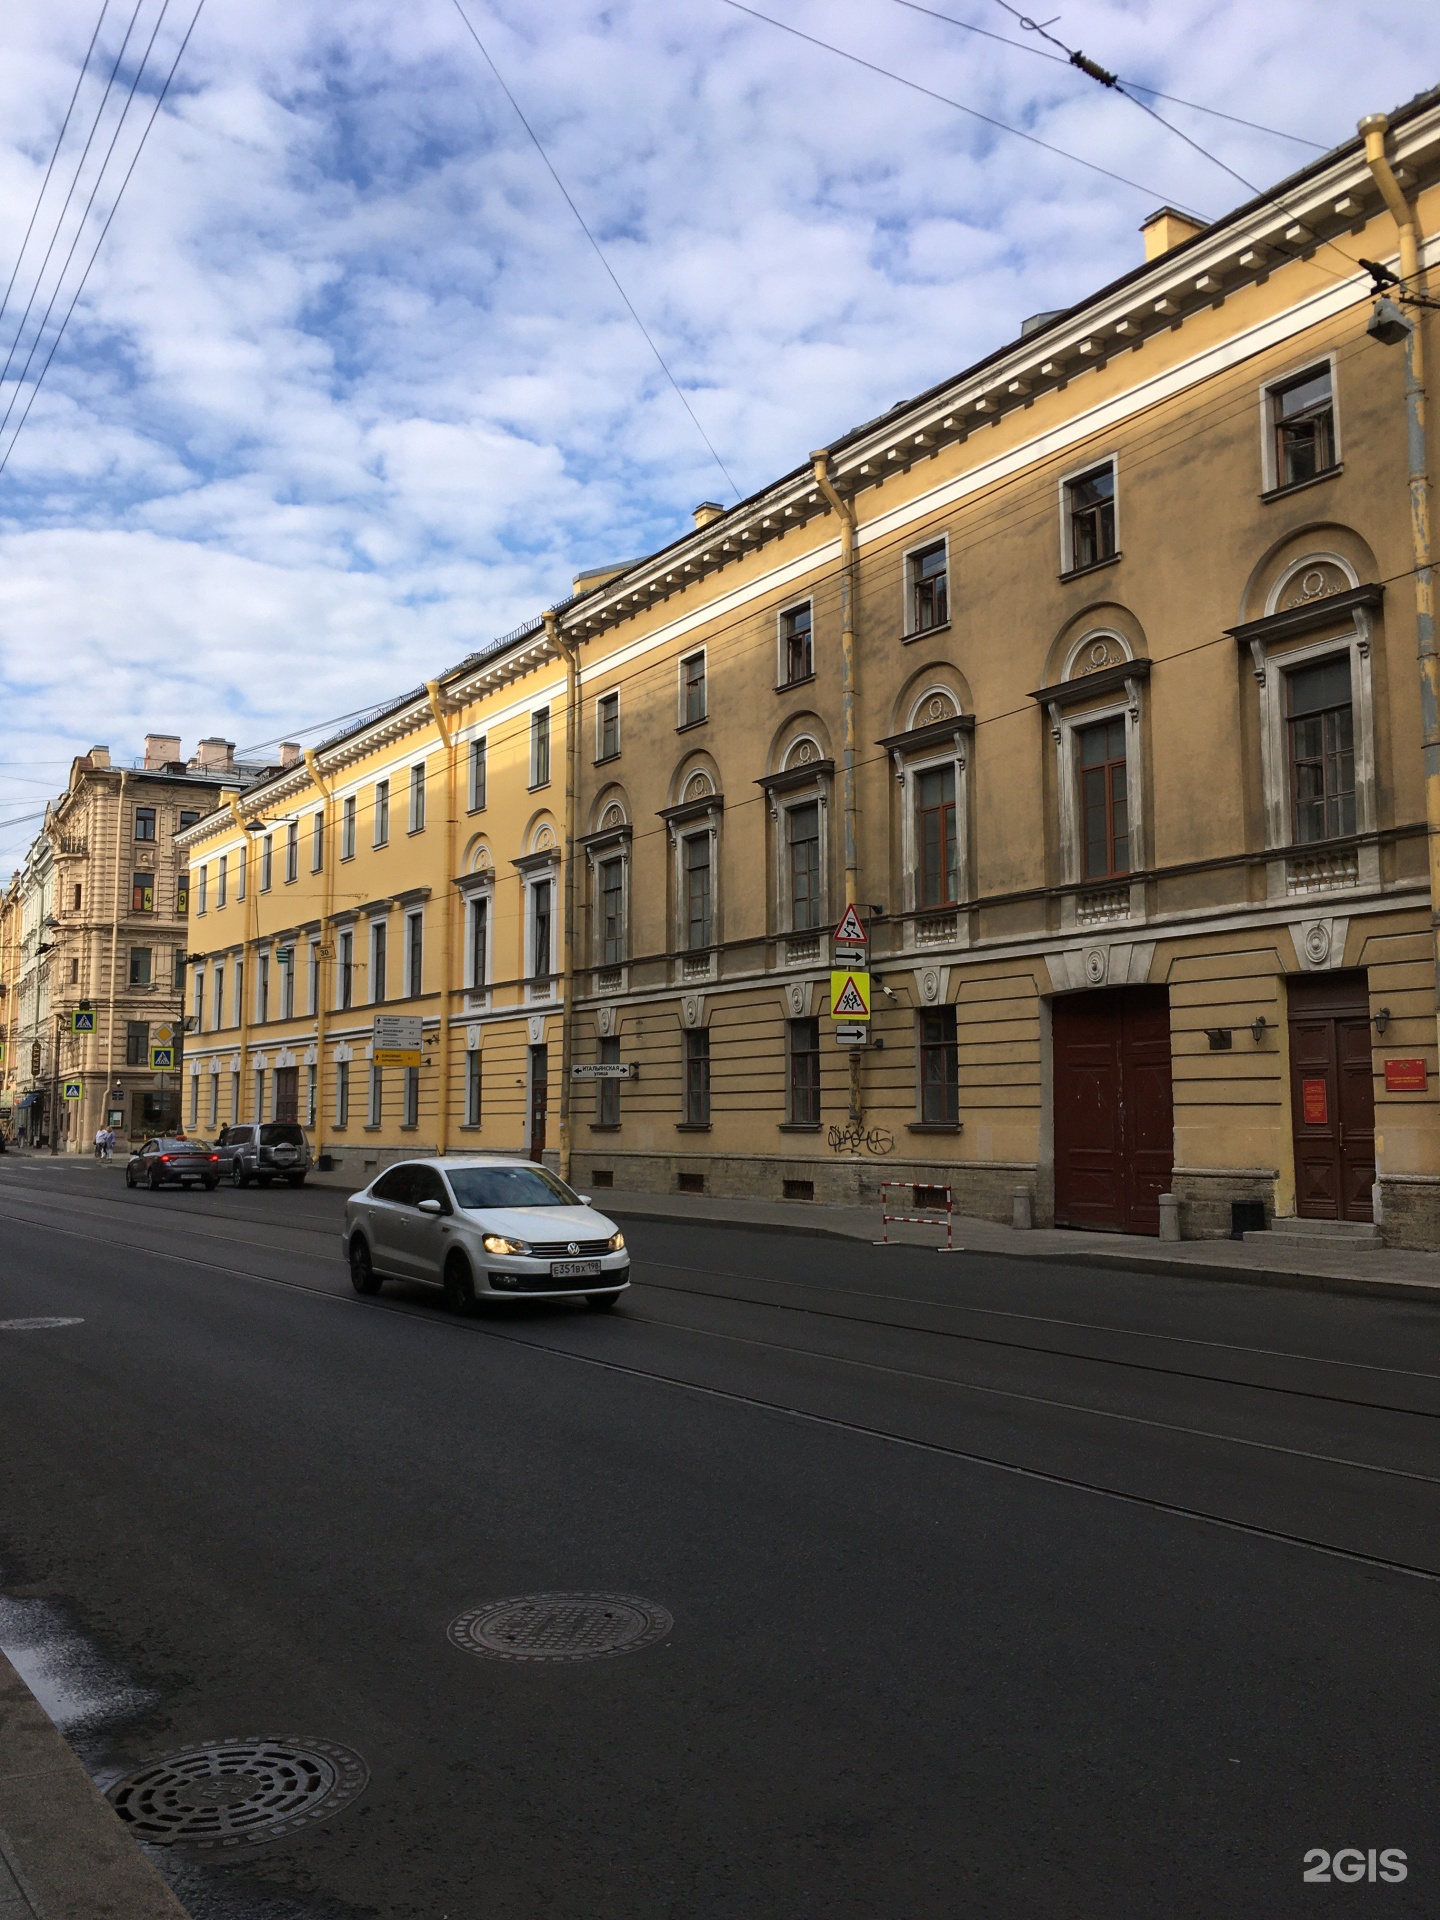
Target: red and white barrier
{"type": "Point", "coordinates": [888, 1219]}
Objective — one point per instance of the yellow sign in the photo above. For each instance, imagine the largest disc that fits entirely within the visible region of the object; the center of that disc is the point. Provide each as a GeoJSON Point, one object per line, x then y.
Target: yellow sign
{"type": "Point", "coordinates": [849, 996]}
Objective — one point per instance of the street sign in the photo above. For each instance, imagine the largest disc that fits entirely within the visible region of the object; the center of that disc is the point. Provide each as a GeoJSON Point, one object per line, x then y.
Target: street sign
{"type": "Point", "coordinates": [852, 1036]}
{"type": "Point", "coordinates": [34, 1059]}
{"type": "Point", "coordinates": [71, 1090]}
{"type": "Point", "coordinates": [396, 1040]}
{"type": "Point", "coordinates": [851, 931]}
{"type": "Point", "coordinates": [164, 1035]}
{"type": "Point", "coordinates": [325, 951]}
{"type": "Point", "coordinates": [82, 1020]}
{"type": "Point", "coordinates": [607, 1070]}
{"type": "Point", "coordinates": [850, 995]}
{"type": "Point", "coordinates": [162, 1059]}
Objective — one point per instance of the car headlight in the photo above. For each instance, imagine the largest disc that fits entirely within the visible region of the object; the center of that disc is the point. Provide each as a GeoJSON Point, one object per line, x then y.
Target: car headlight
{"type": "Point", "coordinates": [497, 1243]}
{"type": "Point", "coordinates": [617, 1243]}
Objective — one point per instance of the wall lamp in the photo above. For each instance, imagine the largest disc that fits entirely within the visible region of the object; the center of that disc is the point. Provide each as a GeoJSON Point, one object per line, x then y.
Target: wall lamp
{"type": "Point", "coordinates": [1258, 1028]}
{"type": "Point", "coordinates": [1382, 1020]}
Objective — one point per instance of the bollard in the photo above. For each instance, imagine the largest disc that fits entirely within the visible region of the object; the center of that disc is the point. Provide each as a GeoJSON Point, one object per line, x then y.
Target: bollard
{"type": "Point", "coordinates": [1169, 1216]}
{"type": "Point", "coordinates": [1022, 1209]}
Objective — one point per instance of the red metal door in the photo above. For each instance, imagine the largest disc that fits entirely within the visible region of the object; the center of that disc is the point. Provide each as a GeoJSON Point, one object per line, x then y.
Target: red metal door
{"type": "Point", "coordinates": [1332, 1096]}
{"type": "Point", "coordinates": [1114, 1111]}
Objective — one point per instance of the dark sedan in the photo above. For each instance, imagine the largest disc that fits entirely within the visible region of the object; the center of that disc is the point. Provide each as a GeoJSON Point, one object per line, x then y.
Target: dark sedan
{"type": "Point", "coordinates": [179, 1161]}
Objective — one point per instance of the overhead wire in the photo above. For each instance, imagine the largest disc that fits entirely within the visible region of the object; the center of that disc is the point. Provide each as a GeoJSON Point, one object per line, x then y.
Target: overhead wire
{"type": "Point", "coordinates": [600, 253]}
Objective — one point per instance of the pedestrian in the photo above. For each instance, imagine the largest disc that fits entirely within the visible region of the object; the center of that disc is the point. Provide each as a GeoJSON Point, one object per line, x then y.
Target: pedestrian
{"type": "Point", "coordinates": [100, 1142]}
{"type": "Point", "coordinates": [109, 1143]}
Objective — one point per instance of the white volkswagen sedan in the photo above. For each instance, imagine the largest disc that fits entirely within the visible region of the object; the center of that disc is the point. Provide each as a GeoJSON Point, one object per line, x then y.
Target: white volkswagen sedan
{"type": "Point", "coordinates": [483, 1229]}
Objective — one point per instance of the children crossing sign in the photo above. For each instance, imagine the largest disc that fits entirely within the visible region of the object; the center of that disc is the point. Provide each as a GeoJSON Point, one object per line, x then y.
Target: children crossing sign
{"type": "Point", "coordinates": [849, 995]}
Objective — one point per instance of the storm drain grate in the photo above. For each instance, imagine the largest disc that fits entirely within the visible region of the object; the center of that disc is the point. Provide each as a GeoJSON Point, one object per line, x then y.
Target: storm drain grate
{"type": "Point", "coordinates": [560, 1626]}
{"type": "Point", "coordinates": [238, 1793]}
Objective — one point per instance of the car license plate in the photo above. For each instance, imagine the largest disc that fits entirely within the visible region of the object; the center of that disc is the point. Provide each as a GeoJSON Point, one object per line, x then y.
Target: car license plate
{"type": "Point", "coordinates": [574, 1269]}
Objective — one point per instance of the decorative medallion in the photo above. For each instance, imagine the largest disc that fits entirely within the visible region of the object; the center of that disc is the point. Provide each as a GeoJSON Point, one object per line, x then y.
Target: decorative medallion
{"type": "Point", "coordinates": [1097, 965]}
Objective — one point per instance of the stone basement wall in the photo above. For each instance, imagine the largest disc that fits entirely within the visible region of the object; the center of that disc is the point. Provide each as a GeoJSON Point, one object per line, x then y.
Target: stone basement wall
{"type": "Point", "coordinates": [1205, 1194]}
{"type": "Point", "coordinates": [1410, 1210]}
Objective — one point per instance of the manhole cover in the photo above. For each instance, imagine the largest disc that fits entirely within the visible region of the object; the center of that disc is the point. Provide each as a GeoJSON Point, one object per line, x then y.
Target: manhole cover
{"type": "Point", "coordinates": [560, 1626]}
{"type": "Point", "coordinates": [238, 1793]}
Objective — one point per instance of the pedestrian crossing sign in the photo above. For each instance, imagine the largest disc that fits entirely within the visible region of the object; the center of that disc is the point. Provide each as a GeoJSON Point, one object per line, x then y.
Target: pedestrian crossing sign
{"type": "Point", "coordinates": [849, 995]}
{"type": "Point", "coordinates": [73, 1090]}
{"type": "Point", "coordinates": [162, 1059]}
{"type": "Point", "coordinates": [82, 1020]}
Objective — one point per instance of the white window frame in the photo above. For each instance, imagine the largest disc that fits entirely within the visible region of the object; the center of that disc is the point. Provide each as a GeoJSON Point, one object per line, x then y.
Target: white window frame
{"type": "Point", "coordinates": [815, 794]}
{"type": "Point", "coordinates": [616, 849]}
{"type": "Point", "coordinates": [956, 755]}
{"type": "Point", "coordinates": [702, 654]}
{"type": "Point", "coordinates": [417, 795]}
{"type": "Point", "coordinates": [477, 761]}
{"type": "Point", "coordinates": [1066, 724]}
{"type": "Point", "coordinates": [292, 852]}
{"type": "Point", "coordinates": [379, 934]}
{"type": "Point", "coordinates": [413, 986]}
{"type": "Point", "coordinates": [907, 579]}
{"type": "Point", "coordinates": [313, 978]}
{"type": "Point", "coordinates": [259, 1095]}
{"type": "Point", "coordinates": [199, 996]}
{"type": "Point", "coordinates": [1270, 481]}
{"type": "Point", "coordinates": [375, 1096]}
{"type": "Point", "coordinates": [613, 693]}
{"type": "Point", "coordinates": [217, 992]}
{"type": "Point", "coordinates": [780, 642]}
{"type": "Point", "coordinates": [262, 985]}
{"type": "Point", "coordinates": [222, 880]}
{"type": "Point", "coordinates": [537, 715]}
{"type": "Point", "coordinates": [474, 1086]}
{"type": "Point", "coordinates": [348, 811]}
{"type": "Point", "coordinates": [214, 1120]}
{"type": "Point", "coordinates": [287, 987]}
{"type": "Point", "coordinates": [410, 1098]}
{"type": "Point", "coordinates": [242, 869]}
{"type": "Point", "coordinates": [478, 893]}
{"type": "Point", "coordinates": [201, 890]}
{"type": "Point", "coordinates": [344, 960]}
{"type": "Point", "coordinates": [267, 862]}
{"type": "Point", "coordinates": [312, 1094]}
{"type": "Point", "coordinates": [549, 877]}
{"type": "Point", "coordinates": [342, 1093]}
{"type": "Point", "coordinates": [381, 802]}
{"type": "Point", "coordinates": [697, 830]}
{"type": "Point", "coordinates": [317, 840]}
{"type": "Point", "coordinates": [1068, 480]}
{"type": "Point", "coordinates": [238, 990]}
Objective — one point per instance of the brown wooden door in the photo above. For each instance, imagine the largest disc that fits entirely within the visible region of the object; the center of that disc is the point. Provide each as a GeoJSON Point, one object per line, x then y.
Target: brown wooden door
{"type": "Point", "coordinates": [1114, 1113]}
{"type": "Point", "coordinates": [287, 1093]}
{"type": "Point", "coordinates": [1332, 1092]}
{"type": "Point", "coordinates": [539, 1094]}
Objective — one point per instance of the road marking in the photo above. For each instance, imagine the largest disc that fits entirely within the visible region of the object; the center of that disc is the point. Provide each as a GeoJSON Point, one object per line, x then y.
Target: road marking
{"type": "Point", "coordinates": [34, 1326]}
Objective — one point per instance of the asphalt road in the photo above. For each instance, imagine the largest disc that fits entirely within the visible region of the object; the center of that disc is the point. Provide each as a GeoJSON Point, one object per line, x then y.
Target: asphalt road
{"type": "Point", "coordinates": [998, 1589]}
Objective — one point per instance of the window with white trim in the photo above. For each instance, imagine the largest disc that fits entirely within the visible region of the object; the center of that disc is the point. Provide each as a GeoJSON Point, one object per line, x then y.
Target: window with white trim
{"type": "Point", "coordinates": [377, 1097]}
{"type": "Point", "coordinates": [382, 813]}
{"type": "Point", "coordinates": [540, 747]}
{"type": "Point", "coordinates": [472, 1087]}
{"type": "Point", "coordinates": [476, 797]}
{"type": "Point", "coordinates": [1088, 522]}
{"type": "Point", "coordinates": [414, 953]}
{"type": "Point", "coordinates": [379, 945]}
{"type": "Point", "coordinates": [607, 726]}
{"type": "Point", "coordinates": [693, 707]}
{"type": "Point", "coordinates": [797, 644]}
{"type": "Point", "coordinates": [347, 827]}
{"type": "Point", "coordinates": [1301, 442]}
{"type": "Point", "coordinates": [417, 798]}
{"type": "Point", "coordinates": [927, 588]}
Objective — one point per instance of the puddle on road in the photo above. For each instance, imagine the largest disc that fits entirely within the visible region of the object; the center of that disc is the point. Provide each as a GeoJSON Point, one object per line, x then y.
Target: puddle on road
{"type": "Point", "coordinates": [78, 1687]}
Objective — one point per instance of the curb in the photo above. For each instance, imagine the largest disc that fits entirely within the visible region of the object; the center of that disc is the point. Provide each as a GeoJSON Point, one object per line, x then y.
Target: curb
{"type": "Point", "coordinates": [65, 1849]}
{"type": "Point", "coordinates": [1416, 1290]}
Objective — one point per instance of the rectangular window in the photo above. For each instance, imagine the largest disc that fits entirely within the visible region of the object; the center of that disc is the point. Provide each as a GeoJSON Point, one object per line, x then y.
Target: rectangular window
{"type": "Point", "coordinates": [202, 890]}
{"type": "Point", "coordinates": [1090, 507]}
{"type": "Point", "coordinates": [144, 823]}
{"type": "Point", "coordinates": [222, 879]}
{"type": "Point", "coordinates": [697, 896]}
{"type": "Point", "coordinates": [414, 953]}
{"type": "Point", "coordinates": [797, 657]}
{"type": "Point", "coordinates": [74, 972]}
{"type": "Point", "coordinates": [382, 813]}
{"type": "Point", "coordinates": [182, 894]}
{"type": "Point", "coordinates": [802, 828]}
{"type": "Point", "coordinates": [267, 862]}
{"type": "Point", "coordinates": [218, 999]}
{"type": "Point", "coordinates": [611, 877]}
{"type": "Point", "coordinates": [239, 993]}
{"type": "Point", "coordinates": [313, 1004]}
{"type": "Point", "coordinates": [242, 867]}
{"type": "Point", "coordinates": [411, 1087]}
{"type": "Point", "coordinates": [472, 1087]}
{"type": "Point", "coordinates": [417, 798]}
{"type": "Point", "coordinates": [194, 1100]}
{"type": "Point", "coordinates": [262, 987]}
{"type": "Point", "coordinates": [1104, 800]}
{"type": "Point", "coordinates": [379, 941]}
{"type": "Point", "coordinates": [939, 1068]}
{"type": "Point", "coordinates": [477, 775]}
{"type": "Point", "coordinates": [346, 969]}
{"type": "Point", "coordinates": [179, 975]}
{"type": "Point", "coordinates": [292, 852]}
{"type": "Point", "coordinates": [1303, 415]}
{"type": "Point", "coordinates": [199, 995]}
{"type": "Point", "coordinates": [479, 941]}
{"type": "Point", "coordinates": [342, 1093]}
{"type": "Point", "coordinates": [607, 1092]}
{"type": "Point", "coordinates": [804, 1057]}
{"type": "Point", "coordinates": [140, 966]}
{"type": "Point", "coordinates": [692, 689]}
{"type": "Point", "coordinates": [1322, 749]}
{"type": "Point", "coordinates": [312, 1094]}
{"type": "Point", "coordinates": [540, 748]}
{"type": "Point", "coordinates": [137, 1043]}
{"type": "Point", "coordinates": [287, 989]}
{"type": "Point", "coordinates": [929, 589]}
{"type": "Point", "coordinates": [377, 1096]}
{"type": "Point", "coordinates": [234, 1096]}
{"type": "Point", "coordinates": [142, 893]}
{"type": "Point", "coordinates": [287, 1093]}
{"type": "Point", "coordinates": [540, 916]}
{"type": "Point", "coordinates": [697, 1077]}
{"type": "Point", "coordinates": [347, 828]}
{"type": "Point", "coordinates": [317, 841]}
{"type": "Point", "coordinates": [79, 895]}
{"type": "Point", "coordinates": [188, 817]}
{"type": "Point", "coordinates": [259, 1093]}
{"type": "Point", "coordinates": [935, 833]}
{"type": "Point", "coordinates": [607, 726]}
{"type": "Point", "coordinates": [214, 1119]}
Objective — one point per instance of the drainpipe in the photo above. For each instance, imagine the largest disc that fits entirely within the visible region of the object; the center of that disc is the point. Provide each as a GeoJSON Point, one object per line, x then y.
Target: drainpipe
{"type": "Point", "coordinates": [110, 1064]}
{"type": "Point", "coordinates": [570, 650]}
{"type": "Point", "coordinates": [247, 987]}
{"type": "Point", "coordinates": [322, 974]}
{"type": "Point", "coordinates": [845, 512]}
{"type": "Point", "coordinates": [447, 920]}
{"type": "Point", "coordinates": [1374, 128]}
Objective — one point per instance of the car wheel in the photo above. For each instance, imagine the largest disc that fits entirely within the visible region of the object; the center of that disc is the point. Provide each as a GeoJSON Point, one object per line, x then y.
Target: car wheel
{"type": "Point", "coordinates": [459, 1285]}
{"type": "Point", "coordinates": [238, 1176]}
{"type": "Point", "coordinates": [154, 1181]}
{"type": "Point", "coordinates": [211, 1182]}
{"type": "Point", "coordinates": [129, 1176]}
{"type": "Point", "coordinates": [363, 1276]}
{"type": "Point", "coordinates": [297, 1179]}
{"type": "Point", "coordinates": [602, 1302]}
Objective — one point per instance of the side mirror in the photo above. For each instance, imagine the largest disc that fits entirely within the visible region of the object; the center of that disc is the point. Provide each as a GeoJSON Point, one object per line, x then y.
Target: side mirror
{"type": "Point", "coordinates": [583, 1198]}
{"type": "Point", "coordinates": [431, 1207]}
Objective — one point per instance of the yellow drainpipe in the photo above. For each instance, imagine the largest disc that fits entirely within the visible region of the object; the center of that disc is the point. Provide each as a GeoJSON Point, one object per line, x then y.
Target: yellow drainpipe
{"type": "Point", "coordinates": [447, 917]}
{"type": "Point", "coordinates": [1373, 129]}
{"type": "Point", "coordinates": [322, 977]}
{"type": "Point", "coordinates": [247, 986]}
{"type": "Point", "coordinates": [845, 512]}
{"type": "Point", "coordinates": [570, 650]}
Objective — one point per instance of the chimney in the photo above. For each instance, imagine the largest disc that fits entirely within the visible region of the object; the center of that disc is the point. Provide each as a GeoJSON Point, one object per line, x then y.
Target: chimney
{"type": "Point", "coordinates": [289, 753]}
{"type": "Point", "coordinates": [99, 756]}
{"type": "Point", "coordinates": [215, 755]}
{"type": "Point", "coordinates": [707, 511]}
{"type": "Point", "coordinates": [1166, 229]}
{"type": "Point", "coordinates": [160, 750]}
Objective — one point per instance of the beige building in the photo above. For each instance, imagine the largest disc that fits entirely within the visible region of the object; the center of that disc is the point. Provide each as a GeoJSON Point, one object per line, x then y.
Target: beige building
{"type": "Point", "coordinates": [1089, 677]}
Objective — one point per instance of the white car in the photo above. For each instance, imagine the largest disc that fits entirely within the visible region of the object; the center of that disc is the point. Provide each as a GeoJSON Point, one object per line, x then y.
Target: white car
{"type": "Point", "coordinates": [483, 1229]}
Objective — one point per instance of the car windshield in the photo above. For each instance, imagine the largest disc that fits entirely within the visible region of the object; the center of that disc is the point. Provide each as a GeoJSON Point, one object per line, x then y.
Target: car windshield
{"type": "Point", "coordinates": [281, 1133]}
{"type": "Point", "coordinates": [478, 1188]}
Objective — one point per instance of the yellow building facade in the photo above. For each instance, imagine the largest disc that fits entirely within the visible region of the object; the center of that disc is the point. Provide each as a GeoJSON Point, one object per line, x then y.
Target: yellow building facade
{"type": "Point", "coordinates": [1088, 677]}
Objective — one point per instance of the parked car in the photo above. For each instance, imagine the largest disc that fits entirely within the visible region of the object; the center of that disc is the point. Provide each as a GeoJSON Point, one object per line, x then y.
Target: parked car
{"type": "Point", "coordinates": [271, 1150]}
{"type": "Point", "coordinates": [174, 1161]}
{"type": "Point", "coordinates": [483, 1229]}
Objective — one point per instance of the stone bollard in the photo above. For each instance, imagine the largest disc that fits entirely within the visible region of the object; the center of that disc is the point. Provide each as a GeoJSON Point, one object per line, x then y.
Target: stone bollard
{"type": "Point", "coordinates": [1169, 1216]}
{"type": "Point", "coordinates": [1022, 1209]}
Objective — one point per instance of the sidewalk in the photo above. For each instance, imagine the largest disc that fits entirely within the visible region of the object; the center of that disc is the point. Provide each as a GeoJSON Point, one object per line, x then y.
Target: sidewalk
{"type": "Point", "coordinates": [1384, 1271]}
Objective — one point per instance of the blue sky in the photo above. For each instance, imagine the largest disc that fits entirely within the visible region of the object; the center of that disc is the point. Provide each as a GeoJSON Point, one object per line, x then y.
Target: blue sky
{"type": "Point", "coordinates": [348, 394]}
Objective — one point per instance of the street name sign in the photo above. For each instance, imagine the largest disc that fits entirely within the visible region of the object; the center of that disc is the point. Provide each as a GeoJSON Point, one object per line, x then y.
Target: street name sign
{"type": "Point", "coordinates": [72, 1090]}
{"type": "Point", "coordinates": [850, 995]}
{"type": "Point", "coordinates": [606, 1070]}
{"type": "Point", "coordinates": [396, 1040]}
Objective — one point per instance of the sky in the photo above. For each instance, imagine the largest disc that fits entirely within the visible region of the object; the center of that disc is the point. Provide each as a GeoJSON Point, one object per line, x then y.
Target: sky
{"type": "Point", "coordinates": [347, 393]}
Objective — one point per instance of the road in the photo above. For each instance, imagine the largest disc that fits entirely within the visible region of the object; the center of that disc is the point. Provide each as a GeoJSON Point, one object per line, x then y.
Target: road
{"type": "Point", "coordinates": [998, 1589]}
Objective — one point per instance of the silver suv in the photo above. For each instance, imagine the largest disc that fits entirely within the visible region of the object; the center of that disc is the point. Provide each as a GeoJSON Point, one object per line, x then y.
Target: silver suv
{"type": "Point", "coordinates": [273, 1150]}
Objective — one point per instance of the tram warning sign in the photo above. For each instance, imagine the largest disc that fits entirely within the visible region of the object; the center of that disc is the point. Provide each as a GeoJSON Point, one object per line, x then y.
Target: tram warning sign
{"type": "Point", "coordinates": [849, 995]}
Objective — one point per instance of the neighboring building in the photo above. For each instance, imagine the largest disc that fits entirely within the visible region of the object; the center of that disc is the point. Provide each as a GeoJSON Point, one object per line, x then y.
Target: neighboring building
{"type": "Point", "coordinates": [1125, 776]}
{"type": "Point", "coordinates": [95, 924]}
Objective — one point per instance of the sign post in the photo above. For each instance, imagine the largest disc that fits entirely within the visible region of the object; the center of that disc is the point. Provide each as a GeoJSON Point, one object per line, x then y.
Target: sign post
{"type": "Point", "coordinates": [396, 1040]}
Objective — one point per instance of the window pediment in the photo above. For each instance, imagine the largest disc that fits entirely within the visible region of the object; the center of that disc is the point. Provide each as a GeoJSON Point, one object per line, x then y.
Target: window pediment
{"type": "Point", "coordinates": [937, 733]}
{"type": "Point", "coordinates": [1107, 680]}
{"type": "Point", "coordinates": [1310, 612]}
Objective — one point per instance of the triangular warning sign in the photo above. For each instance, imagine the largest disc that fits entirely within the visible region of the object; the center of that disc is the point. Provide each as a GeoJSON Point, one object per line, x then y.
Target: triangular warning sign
{"type": "Point", "coordinates": [850, 932]}
{"type": "Point", "coordinates": [851, 1004]}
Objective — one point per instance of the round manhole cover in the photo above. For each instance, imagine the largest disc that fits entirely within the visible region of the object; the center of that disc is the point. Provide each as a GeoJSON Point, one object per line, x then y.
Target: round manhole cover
{"type": "Point", "coordinates": [237, 1793]}
{"type": "Point", "coordinates": [560, 1626]}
